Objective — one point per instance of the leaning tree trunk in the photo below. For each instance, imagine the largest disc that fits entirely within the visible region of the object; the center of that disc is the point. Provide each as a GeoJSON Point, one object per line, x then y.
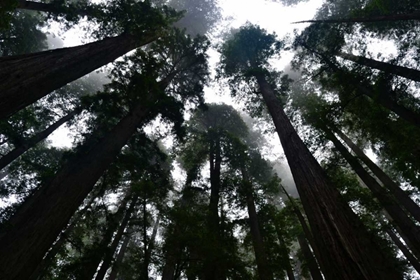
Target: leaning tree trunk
{"type": "Point", "coordinates": [402, 197]}
{"type": "Point", "coordinates": [27, 144]}
{"type": "Point", "coordinates": [405, 72]}
{"type": "Point", "coordinates": [27, 78]}
{"type": "Point", "coordinates": [349, 251]}
{"type": "Point", "coordinates": [115, 267]}
{"type": "Point", "coordinates": [309, 257]}
{"type": "Point", "coordinates": [47, 260]}
{"type": "Point", "coordinates": [109, 253]}
{"type": "Point", "coordinates": [308, 235]}
{"type": "Point", "coordinates": [55, 9]}
{"type": "Point", "coordinates": [396, 17]}
{"type": "Point", "coordinates": [212, 261]}
{"type": "Point", "coordinates": [96, 252]}
{"type": "Point", "coordinates": [400, 218]}
{"type": "Point", "coordinates": [37, 223]}
{"type": "Point", "coordinates": [263, 269]}
{"type": "Point", "coordinates": [408, 255]}
{"type": "Point", "coordinates": [384, 98]}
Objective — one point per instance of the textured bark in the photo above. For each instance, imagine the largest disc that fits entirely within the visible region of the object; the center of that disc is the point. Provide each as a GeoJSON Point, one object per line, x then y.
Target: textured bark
{"type": "Point", "coordinates": [402, 197]}
{"type": "Point", "coordinates": [400, 218]}
{"type": "Point", "coordinates": [26, 145]}
{"type": "Point", "coordinates": [45, 263]}
{"type": "Point", "coordinates": [27, 78]}
{"type": "Point", "coordinates": [349, 251]}
{"type": "Point", "coordinates": [263, 269]}
{"type": "Point", "coordinates": [114, 273]}
{"type": "Point", "coordinates": [412, 259]}
{"type": "Point", "coordinates": [397, 17]}
{"type": "Point", "coordinates": [309, 257]}
{"type": "Point", "coordinates": [405, 72]}
{"type": "Point", "coordinates": [109, 253]}
{"type": "Point", "coordinates": [32, 230]}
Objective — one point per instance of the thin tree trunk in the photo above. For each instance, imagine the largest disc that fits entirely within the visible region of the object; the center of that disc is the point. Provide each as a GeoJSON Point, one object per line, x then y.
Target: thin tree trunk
{"type": "Point", "coordinates": [109, 253]}
{"type": "Point", "coordinates": [405, 72]}
{"type": "Point", "coordinates": [118, 261]}
{"type": "Point", "coordinates": [36, 224]}
{"type": "Point", "coordinates": [384, 98]}
{"type": "Point", "coordinates": [397, 17]}
{"type": "Point", "coordinates": [307, 232]}
{"type": "Point", "coordinates": [27, 78]}
{"type": "Point", "coordinates": [398, 215]}
{"type": "Point", "coordinates": [414, 262]}
{"type": "Point", "coordinates": [285, 253]}
{"type": "Point", "coordinates": [212, 262]}
{"type": "Point", "coordinates": [309, 257]}
{"type": "Point", "coordinates": [97, 251]}
{"type": "Point", "coordinates": [401, 196]}
{"type": "Point", "coordinates": [149, 248]}
{"type": "Point", "coordinates": [26, 145]}
{"type": "Point", "coordinates": [264, 272]}
{"type": "Point", "coordinates": [349, 251]}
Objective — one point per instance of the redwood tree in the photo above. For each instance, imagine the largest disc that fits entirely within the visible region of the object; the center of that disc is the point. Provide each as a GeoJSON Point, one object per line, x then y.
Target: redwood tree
{"type": "Point", "coordinates": [349, 250]}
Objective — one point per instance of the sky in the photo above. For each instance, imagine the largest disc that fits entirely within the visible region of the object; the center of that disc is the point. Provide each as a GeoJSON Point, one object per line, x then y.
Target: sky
{"type": "Point", "coordinates": [271, 16]}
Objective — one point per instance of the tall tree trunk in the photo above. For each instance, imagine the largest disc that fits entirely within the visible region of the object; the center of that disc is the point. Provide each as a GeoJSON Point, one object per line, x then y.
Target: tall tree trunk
{"type": "Point", "coordinates": [53, 8]}
{"type": "Point", "coordinates": [149, 248]}
{"type": "Point", "coordinates": [97, 251]}
{"type": "Point", "coordinates": [27, 78]}
{"type": "Point", "coordinates": [309, 257]}
{"type": "Point", "coordinates": [212, 262]}
{"type": "Point", "coordinates": [307, 232]}
{"type": "Point", "coordinates": [398, 215]}
{"type": "Point", "coordinates": [118, 261]}
{"type": "Point", "coordinates": [264, 272]}
{"type": "Point", "coordinates": [285, 253]}
{"type": "Point", "coordinates": [384, 98]}
{"type": "Point", "coordinates": [408, 255]}
{"type": "Point", "coordinates": [32, 230]}
{"type": "Point", "coordinates": [47, 260]}
{"type": "Point", "coordinates": [403, 199]}
{"type": "Point", "coordinates": [396, 17]}
{"type": "Point", "coordinates": [26, 145]}
{"type": "Point", "coordinates": [109, 253]}
{"type": "Point", "coordinates": [405, 72]}
{"type": "Point", "coordinates": [349, 251]}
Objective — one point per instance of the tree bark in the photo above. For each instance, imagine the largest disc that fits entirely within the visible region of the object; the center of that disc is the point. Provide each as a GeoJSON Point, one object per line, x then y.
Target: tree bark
{"type": "Point", "coordinates": [26, 145]}
{"type": "Point", "coordinates": [264, 272]}
{"type": "Point", "coordinates": [349, 251]}
{"type": "Point", "coordinates": [120, 257]}
{"type": "Point", "coordinates": [414, 262]}
{"type": "Point", "coordinates": [400, 218]}
{"type": "Point", "coordinates": [384, 98]}
{"type": "Point", "coordinates": [397, 17]}
{"type": "Point", "coordinates": [27, 78]}
{"type": "Point", "coordinates": [32, 230]}
{"type": "Point", "coordinates": [212, 262]}
{"type": "Point", "coordinates": [109, 253]}
{"type": "Point", "coordinates": [402, 197]}
{"type": "Point", "coordinates": [97, 251]}
{"type": "Point", "coordinates": [52, 8]}
{"type": "Point", "coordinates": [307, 233]}
{"type": "Point", "coordinates": [47, 260]}
{"type": "Point", "coordinates": [405, 72]}
{"type": "Point", "coordinates": [307, 253]}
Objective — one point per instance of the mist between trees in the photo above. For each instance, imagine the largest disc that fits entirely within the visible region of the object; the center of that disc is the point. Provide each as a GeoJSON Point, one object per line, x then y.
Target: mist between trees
{"type": "Point", "coordinates": [160, 184]}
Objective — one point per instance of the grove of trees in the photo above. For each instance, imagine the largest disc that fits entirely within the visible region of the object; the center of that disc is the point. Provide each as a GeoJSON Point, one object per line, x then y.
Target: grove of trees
{"type": "Point", "coordinates": [160, 184]}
